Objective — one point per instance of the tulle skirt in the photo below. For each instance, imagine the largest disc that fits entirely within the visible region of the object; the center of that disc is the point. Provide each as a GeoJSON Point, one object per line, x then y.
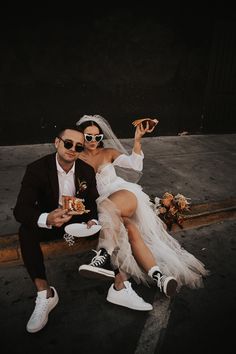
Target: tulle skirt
{"type": "Point", "coordinates": [171, 258]}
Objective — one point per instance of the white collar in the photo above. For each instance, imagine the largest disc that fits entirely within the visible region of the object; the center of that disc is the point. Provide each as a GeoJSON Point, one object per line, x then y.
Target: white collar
{"type": "Point", "coordinates": [60, 169]}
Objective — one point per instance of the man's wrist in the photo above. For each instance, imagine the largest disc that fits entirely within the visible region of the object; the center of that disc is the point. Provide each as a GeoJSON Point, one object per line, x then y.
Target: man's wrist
{"type": "Point", "coordinates": [42, 221]}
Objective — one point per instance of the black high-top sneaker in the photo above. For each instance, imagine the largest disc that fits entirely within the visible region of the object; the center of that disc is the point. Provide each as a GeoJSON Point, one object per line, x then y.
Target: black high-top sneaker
{"type": "Point", "coordinates": [166, 284]}
{"type": "Point", "coordinates": [99, 267]}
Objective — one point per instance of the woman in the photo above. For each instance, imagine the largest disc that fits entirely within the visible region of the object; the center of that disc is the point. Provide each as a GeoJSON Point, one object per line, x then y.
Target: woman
{"type": "Point", "coordinates": [132, 233]}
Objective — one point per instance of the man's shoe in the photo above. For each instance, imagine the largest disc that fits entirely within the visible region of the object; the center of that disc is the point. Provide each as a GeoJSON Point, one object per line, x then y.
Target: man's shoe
{"type": "Point", "coordinates": [100, 266]}
{"type": "Point", "coordinates": [44, 305]}
{"type": "Point", "coordinates": [127, 297]}
{"type": "Point", "coordinates": [166, 284]}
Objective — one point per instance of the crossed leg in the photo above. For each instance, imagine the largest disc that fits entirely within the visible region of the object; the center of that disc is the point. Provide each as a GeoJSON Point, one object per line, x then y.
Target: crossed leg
{"type": "Point", "coordinates": [126, 202]}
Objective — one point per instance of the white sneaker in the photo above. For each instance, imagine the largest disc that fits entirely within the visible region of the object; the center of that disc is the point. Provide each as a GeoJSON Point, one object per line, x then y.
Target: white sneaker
{"type": "Point", "coordinates": [127, 297]}
{"type": "Point", "coordinates": [43, 306]}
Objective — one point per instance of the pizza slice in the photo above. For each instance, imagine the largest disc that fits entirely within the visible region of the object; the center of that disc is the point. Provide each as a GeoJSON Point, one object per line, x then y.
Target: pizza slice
{"type": "Point", "coordinates": [151, 122]}
{"type": "Point", "coordinates": [75, 206]}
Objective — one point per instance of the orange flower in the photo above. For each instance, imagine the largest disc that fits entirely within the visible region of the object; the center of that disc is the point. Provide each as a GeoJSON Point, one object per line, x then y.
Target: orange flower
{"type": "Point", "coordinates": [162, 210]}
{"type": "Point", "coordinates": [182, 202]}
{"type": "Point", "coordinates": [167, 199]}
{"type": "Point", "coordinates": [173, 209]}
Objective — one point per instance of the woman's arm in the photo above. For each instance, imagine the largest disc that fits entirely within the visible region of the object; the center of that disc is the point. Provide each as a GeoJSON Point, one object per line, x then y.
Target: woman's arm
{"type": "Point", "coordinates": [139, 132]}
{"type": "Point", "coordinates": [135, 159]}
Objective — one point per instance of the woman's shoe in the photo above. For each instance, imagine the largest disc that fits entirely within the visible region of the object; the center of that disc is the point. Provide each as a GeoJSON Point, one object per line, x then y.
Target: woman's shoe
{"type": "Point", "coordinates": [99, 267]}
{"type": "Point", "coordinates": [166, 284]}
{"type": "Point", "coordinates": [127, 297]}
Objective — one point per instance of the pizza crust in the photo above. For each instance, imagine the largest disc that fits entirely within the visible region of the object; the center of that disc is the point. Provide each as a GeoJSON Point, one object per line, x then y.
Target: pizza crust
{"type": "Point", "coordinates": [152, 122]}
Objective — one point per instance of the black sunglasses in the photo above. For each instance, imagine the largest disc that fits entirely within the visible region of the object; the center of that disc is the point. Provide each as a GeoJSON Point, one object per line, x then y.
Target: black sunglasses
{"type": "Point", "coordinates": [90, 137]}
{"type": "Point", "coordinates": [68, 144]}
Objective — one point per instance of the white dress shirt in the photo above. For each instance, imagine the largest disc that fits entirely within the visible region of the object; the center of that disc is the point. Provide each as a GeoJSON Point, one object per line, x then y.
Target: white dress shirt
{"type": "Point", "coordinates": [66, 187]}
{"type": "Point", "coordinates": [66, 182]}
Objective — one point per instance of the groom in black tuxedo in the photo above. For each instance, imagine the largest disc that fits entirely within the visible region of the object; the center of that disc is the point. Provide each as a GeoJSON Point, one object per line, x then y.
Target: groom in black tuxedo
{"type": "Point", "coordinates": [38, 210]}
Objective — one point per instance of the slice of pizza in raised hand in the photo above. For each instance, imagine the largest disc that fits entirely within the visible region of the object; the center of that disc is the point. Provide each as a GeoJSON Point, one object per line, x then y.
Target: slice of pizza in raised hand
{"type": "Point", "coordinates": [151, 122]}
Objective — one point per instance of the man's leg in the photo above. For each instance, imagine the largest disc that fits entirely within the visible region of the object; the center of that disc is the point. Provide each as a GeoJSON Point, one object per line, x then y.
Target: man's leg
{"type": "Point", "coordinates": [32, 255]}
{"type": "Point", "coordinates": [47, 297]}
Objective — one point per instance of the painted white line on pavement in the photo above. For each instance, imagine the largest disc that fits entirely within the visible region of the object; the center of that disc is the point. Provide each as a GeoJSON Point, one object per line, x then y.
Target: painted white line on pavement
{"type": "Point", "coordinates": [157, 320]}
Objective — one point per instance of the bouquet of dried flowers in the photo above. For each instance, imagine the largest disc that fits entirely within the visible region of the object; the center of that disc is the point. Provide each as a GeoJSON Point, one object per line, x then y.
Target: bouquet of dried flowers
{"type": "Point", "coordinates": [171, 208]}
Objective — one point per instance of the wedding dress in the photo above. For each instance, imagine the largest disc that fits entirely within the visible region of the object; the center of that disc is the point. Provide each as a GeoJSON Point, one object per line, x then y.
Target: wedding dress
{"type": "Point", "coordinates": [171, 258]}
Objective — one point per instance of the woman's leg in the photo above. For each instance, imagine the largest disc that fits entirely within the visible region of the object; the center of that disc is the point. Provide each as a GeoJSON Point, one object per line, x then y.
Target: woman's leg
{"type": "Point", "coordinates": [141, 252]}
{"type": "Point", "coordinates": [120, 278]}
{"type": "Point", "coordinates": [126, 203]}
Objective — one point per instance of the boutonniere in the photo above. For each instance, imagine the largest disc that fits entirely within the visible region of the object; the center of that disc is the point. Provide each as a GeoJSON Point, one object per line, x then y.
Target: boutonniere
{"type": "Point", "coordinates": [82, 185]}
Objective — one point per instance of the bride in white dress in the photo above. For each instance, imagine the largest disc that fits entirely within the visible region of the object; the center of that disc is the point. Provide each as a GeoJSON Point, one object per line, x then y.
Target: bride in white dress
{"type": "Point", "coordinates": [133, 235]}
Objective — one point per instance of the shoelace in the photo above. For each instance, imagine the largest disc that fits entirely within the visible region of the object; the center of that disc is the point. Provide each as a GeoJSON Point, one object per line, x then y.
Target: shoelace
{"type": "Point", "coordinates": [98, 259]}
{"type": "Point", "coordinates": [160, 280]}
{"type": "Point", "coordinates": [40, 308]}
{"type": "Point", "coordinates": [130, 291]}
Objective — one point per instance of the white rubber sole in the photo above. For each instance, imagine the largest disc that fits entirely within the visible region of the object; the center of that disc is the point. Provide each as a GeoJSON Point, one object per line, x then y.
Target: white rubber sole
{"type": "Point", "coordinates": [97, 273]}
{"type": "Point", "coordinates": [130, 306]}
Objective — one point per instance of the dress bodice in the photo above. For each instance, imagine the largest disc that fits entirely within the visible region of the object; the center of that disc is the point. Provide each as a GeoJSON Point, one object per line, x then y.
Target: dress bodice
{"type": "Point", "coordinates": [105, 176]}
{"type": "Point", "coordinates": [104, 167]}
{"type": "Point", "coordinates": [109, 180]}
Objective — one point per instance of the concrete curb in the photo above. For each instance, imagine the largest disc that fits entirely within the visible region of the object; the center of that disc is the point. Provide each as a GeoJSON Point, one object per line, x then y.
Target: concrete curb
{"type": "Point", "coordinates": [200, 215]}
{"type": "Point", "coordinates": [10, 248]}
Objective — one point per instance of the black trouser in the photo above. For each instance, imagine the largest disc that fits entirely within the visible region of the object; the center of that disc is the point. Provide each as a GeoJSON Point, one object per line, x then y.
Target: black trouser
{"type": "Point", "coordinates": [32, 255]}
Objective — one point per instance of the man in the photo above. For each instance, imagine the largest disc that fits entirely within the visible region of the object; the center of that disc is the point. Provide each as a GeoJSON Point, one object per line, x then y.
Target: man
{"type": "Point", "coordinates": [38, 210]}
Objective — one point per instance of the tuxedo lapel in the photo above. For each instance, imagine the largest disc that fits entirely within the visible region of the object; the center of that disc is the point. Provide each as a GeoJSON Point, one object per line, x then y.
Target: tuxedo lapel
{"type": "Point", "coordinates": [53, 178]}
{"type": "Point", "coordinates": [77, 175]}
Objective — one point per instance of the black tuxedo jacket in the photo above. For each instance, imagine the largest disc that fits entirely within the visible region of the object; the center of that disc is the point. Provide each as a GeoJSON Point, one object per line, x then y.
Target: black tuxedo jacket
{"type": "Point", "coordinates": [39, 191]}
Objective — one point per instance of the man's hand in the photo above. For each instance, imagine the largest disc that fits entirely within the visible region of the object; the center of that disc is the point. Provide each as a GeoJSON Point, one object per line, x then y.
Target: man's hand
{"type": "Point", "coordinates": [58, 217]}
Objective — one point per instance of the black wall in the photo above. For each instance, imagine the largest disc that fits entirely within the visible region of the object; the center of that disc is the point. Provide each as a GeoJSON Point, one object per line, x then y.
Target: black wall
{"type": "Point", "coordinates": [122, 64]}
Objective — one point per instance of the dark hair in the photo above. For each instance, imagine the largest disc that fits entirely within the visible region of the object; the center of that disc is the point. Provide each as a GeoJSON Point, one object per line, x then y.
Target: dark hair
{"type": "Point", "coordinates": [70, 127]}
{"type": "Point", "coordinates": [90, 123]}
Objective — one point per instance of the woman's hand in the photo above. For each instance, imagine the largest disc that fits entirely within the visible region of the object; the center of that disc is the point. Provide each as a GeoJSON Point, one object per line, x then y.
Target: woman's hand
{"type": "Point", "coordinates": [140, 131]}
{"type": "Point", "coordinates": [90, 223]}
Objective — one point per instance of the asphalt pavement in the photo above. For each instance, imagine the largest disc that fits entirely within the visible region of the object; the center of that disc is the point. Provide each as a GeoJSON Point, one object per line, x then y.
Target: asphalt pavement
{"type": "Point", "coordinates": [195, 321]}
